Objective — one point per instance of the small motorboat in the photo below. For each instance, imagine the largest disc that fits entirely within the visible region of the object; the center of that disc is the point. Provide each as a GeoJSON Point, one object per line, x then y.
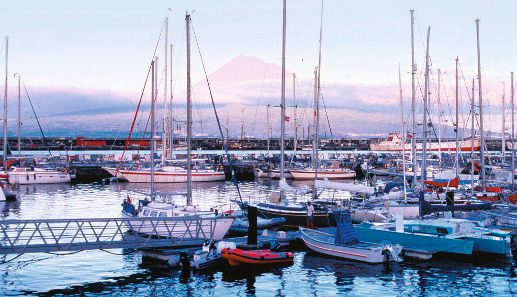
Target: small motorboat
{"type": "Point", "coordinates": [207, 257]}
{"type": "Point", "coordinates": [256, 257]}
{"type": "Point", "coordinates": [345, 244]}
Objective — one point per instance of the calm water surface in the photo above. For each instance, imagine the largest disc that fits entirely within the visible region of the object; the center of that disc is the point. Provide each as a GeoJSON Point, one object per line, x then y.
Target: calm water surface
{"type": "Point", "coordinates": [122, 273]}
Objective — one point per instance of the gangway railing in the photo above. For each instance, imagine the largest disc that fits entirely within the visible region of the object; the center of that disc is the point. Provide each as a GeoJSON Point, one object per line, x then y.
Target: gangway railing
{"type": "Point", "coordinates": [60, 235]}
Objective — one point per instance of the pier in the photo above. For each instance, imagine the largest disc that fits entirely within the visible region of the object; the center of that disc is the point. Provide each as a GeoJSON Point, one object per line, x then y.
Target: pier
{"type": "Point", "coordinates": [64, 235]}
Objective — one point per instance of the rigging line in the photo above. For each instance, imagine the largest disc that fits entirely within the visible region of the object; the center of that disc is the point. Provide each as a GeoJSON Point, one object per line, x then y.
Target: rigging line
{"type": "Point", "coordinates": [474, 118]}
{"type": "Point", "coordinates": [328, 122]}
{"type": "Point", "coordinates": [37, 120]}
{"type": "Point", "coordinates": [225, 144]}
{"type": "Point", "coordinates": [141, 97]}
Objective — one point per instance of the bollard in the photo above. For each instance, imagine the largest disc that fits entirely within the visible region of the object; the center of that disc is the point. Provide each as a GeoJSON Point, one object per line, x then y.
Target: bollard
{"type": "Point", "coordinates": [252, 227]}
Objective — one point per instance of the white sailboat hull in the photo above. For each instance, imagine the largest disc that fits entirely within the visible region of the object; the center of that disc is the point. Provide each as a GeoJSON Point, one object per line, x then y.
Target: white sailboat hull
{"type": "Point", "coordinates": [39, 177]}
{"type": "Point", "coordinates": [328, 174]}
{"type": "Point", "coordinates": [171, 177]}
{"type": "Point", "coordinates": [186, 227]}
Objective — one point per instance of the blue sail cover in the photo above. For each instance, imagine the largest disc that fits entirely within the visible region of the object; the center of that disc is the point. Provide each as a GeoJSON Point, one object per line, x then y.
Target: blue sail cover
{"type": "Point", "coordinates": [345, 232]}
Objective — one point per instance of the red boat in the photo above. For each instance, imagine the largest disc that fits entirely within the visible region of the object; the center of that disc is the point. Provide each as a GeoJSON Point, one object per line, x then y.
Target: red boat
{"type": "Point", "coordinates": [237, 257]}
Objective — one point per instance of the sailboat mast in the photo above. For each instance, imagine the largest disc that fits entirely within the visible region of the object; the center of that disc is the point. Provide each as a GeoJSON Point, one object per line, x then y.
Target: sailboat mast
{"type": "Point", "coordinates": [318, 93]}
{"type": "Point", "coordinates": [480, 95]}
{"type": "Point", "coordinates": [503, 129]}
{"type": "Point", "coordinates": [189, 116]}
{"type": "Point", "coordinates": [472, 134]}
{"type": "Point", "coordinates": [440, 112]}
{"type": "Point", "coordinates": [315, 123]}
{"type": "Point", "coordinates": [513, 131]}
{"type": "Point", "coordinates": [424, 121]}
{"type": "Point", "coordinates": [295, 115]}
{"type": "Point", "coordinates": [456, 123]}
{"type": "Point", "coordinates": [165, 121]}
{"type": "Point", "coordinates": [282, 103]}
{"type": "Point", "coordinates": [413, 95]}
{"type": "Point", "coordinates": [171, 119]}
{"type": "Point", "coordinates": [19, 126]}
{"type": "Point", "coordinates": [153, 107]}
{"type": "Point", "coordinates": [403, 136]}
{"type": "Point", "coordinates": [5, 102]}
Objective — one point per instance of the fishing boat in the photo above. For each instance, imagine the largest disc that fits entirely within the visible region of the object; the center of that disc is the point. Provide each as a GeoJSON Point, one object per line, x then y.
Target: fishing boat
{"type": "Point", "coordinates": [344, 243]}
{"type": "Point", "coordinates": [29, 176]}
{"type": "Point", "coordinates": [256, 258]}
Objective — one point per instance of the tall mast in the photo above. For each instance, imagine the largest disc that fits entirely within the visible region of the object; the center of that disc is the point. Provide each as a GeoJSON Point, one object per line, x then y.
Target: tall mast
{"type": "Point", "coordinates": [423, 175]}
{"type": "Point", "coordinates": [165, 95]}
{"type": "Point", "coordinates": [513, 132]}
{"type": "Point", "coordinates": [413, 95]}
{"type": "Point", "coordinates": [5, 102]}
{"type": "Point", "coordinates": [480, 95]}
{"type": "Point", "coordinates": [295, 115]}
{"type": "Point", "coordinates": [153, 129]}
{"type": "Point", "coordinates": [189, 116]}
{"type": "Point", "coordinates": [456, 123]}
{"type": "Point", "coordinates": [403, 136]}
{"type": "Point", "coordinates": [472, 134]}
{"type": "Point", "coordinates": [315, 116]}
{"type": "Point", "coordinates": [171, 116]}
{"type": "Point", "coordinates": [439, 117]}
{"type": "Point", "coordinates": [318, 92]}
{"type": "Point", "coordinates": [282, 103]}
{"type": "Point", "coordinates": [18, 132]}
{"type": "Point", "coordinates": [503, 129]}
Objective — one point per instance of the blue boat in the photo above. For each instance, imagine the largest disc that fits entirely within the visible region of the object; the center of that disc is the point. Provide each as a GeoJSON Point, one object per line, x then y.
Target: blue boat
{"type": "Point", "coordinates": [413, 242]}
{"type": "Point", "coordinates": [454, 236]}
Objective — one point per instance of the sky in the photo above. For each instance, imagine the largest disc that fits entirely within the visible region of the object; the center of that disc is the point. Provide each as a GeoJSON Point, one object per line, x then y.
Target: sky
{"type": "Point", "coordinates": [99, 47]}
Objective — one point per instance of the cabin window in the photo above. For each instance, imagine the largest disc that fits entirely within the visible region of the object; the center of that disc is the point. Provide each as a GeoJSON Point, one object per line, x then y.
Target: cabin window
{"type": "Point", "coordinates": [146, 213]}
{"type": "Point", "coordinates": [34, 176]}
{"type": "Point", "coordinates": [163, 214]}
{"type": "Point", "coordinates": [442, 230]}
{"type": "Point", "coordinates": [154, 213]}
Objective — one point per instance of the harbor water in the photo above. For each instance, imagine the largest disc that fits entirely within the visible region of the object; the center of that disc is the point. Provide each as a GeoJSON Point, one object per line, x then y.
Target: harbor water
{"type": "Point", "coordinates": [122, 273]}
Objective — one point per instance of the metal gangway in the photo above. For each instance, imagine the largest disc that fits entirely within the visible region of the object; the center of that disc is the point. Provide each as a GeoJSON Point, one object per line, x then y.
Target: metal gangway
{"type": "Point", "coordinates": [61, 235]}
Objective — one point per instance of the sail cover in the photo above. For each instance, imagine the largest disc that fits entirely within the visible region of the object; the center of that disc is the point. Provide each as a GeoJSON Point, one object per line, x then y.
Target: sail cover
{"type": "Point", "coordinates": [298, 191]}
{"type": "Point", "coordinates": [356, 188]}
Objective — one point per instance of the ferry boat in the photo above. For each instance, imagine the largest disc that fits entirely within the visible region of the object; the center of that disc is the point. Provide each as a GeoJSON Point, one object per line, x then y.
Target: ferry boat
{"type": "Point", "coordinates": [394, 142]}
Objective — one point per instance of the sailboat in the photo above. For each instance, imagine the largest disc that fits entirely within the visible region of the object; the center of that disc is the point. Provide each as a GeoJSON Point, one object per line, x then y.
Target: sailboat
{"type": "Point", "coordinates": [164, 173]}
{"type": "Point", "coordinates": [207, 225]}
{"type": "Point", "coordinates": [333, 172]}
{"type": "Point", "coordinates": [295, 213]}
{"type": "Point", "coordinates": [27, 175]}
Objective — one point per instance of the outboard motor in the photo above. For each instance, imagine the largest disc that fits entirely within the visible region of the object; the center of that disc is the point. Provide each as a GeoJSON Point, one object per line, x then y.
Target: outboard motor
{"type": "Point", "coordinates": [252, 225]}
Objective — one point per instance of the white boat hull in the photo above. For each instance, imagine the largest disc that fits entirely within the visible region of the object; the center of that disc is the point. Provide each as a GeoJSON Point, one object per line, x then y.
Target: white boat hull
{"type": "Point", "coordinates": [363, 252]}
{"type": "Point", "coordinates": [171, 177]}
{"type": "Point", "coordinates": [39, 177]}
{"type": "Point", "coordinates": [186, 227]}
{"type": "Point", "coordinates": [328, 174]}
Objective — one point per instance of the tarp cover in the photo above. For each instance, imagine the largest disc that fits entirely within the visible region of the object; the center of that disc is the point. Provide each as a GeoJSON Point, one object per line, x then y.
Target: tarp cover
{"type": "Point", "coordinates": [298, 191]}
{"type": "Point", "coordinates": [356, 188]}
